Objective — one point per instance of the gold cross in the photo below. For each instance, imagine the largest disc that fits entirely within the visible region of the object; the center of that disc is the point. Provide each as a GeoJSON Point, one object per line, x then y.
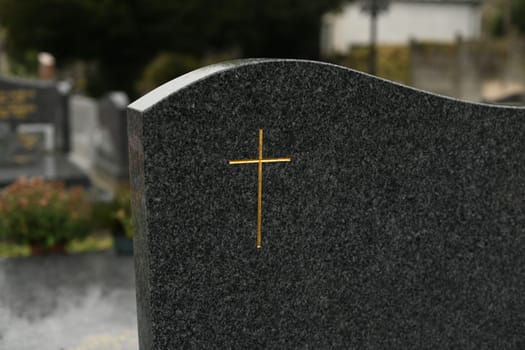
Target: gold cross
{"type": "Point", "coordinates": [259, 163]}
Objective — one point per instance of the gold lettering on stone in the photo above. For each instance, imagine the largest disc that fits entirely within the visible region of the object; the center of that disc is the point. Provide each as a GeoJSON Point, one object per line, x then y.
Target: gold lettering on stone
{"type": "Point", "coordinates": [17, 104]}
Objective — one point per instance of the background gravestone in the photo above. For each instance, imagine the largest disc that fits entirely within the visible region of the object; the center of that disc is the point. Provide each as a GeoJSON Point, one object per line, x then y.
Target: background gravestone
{"type": "Point", "coordinates": [398, 224]}
{"type": "Point", "coordinates": [99, 138]}
{"type": "Point", "coordinates": [111, 150]}
{"type": "Point", "coordinates": [6, 140]}
{"type": "Point", "coordinates": [84, 131]}
{"type": "Point", "coordinates": [34, 131]}
{"type": "Point", "coordinates": [24, 101]}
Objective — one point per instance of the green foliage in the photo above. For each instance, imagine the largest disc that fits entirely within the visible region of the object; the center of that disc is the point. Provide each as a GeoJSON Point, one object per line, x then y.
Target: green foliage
{"type": "Point", "coordinates": [103, 215]}
{"type": "Point", "coordinates": [123, 212]}
{"type": "Point", "coordinates": [496, 28]}
{"type": "Point", "coordinates": [42, 213]}
{"type": "Point", "coordinates": [495, 21]}
{"type": "Point", "coordinates": [393, 61]}
{"type": "Point", "coordinates": [25, 65]}
{"type": "Point", "coordinates": [518, 15]}
{"type": "Point", "coordinates": [283, 28]}
{"type": "Point", "coordinates": [164, 67]}
{"type": "Point", "coordinates": [114, 215]}
{"type": "Point", "coordinates": [93, 242]}
{"type": "Point", "coordinates": [122, 37]}
{"type": "Point", "coordinates": [12, 250]}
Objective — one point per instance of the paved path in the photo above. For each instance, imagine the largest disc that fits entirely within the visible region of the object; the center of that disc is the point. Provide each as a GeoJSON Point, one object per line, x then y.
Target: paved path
{"type": "Point", "coordinates": [76, 302]}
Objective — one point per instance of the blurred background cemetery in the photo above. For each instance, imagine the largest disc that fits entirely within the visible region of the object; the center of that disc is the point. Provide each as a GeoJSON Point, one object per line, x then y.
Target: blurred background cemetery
{"type": "Point", "coordinates": [68, 69]}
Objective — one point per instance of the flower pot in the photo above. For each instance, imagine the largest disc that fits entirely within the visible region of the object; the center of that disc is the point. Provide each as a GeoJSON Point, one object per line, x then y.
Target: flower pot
{"type": "Point", "coordinates": [45, 250]}
{"type": "Point", "coordinates": [122, 245]}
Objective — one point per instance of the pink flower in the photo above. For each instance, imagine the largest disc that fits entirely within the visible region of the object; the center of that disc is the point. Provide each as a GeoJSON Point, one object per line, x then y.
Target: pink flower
{"type": "Point", "coordinates": [24, 202]}
{"type": "Point", "coordinates": [35, 181]}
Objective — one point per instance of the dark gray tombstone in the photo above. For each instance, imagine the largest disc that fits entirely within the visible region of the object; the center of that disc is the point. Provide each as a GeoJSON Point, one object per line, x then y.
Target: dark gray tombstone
{"type": "Point", "coordinates": [6, 140]}
{"type": "Point", "coordinates": [34, 131]}
{"type": "Point", "coordinates": [24, 101]}
{"type": "Point", "coordinates": [397, 223]}
{"type": "Point", "coordinates": [111, 151]}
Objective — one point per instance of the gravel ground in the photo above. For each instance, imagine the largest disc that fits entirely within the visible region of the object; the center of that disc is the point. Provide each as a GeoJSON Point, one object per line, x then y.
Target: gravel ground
{"type": "Point", "coordinates": [76, 302]}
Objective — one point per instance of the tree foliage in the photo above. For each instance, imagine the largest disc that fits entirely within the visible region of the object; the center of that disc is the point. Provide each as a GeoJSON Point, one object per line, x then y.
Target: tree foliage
{"type": "Point", "coordinates": [518, 15]}
{"type": "Point", "coordinates": [505, 17]}
{"type": "Point", "coordinates": [122, 36]}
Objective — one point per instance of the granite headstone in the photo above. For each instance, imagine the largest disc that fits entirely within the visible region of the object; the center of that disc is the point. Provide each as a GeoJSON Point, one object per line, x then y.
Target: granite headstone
{"type": "Point", "coordinates": [84, 131]}
{"type": "Point", "coordinates": [397, 223]}
{"type": "Point", "coordinates": [6, 142]}
{"type": "Point", "coordinates": [24, 101]}
{"type": "Point", "coordinates": [34, 131]}
{"type": "Point", "coordinates": [111, 150]}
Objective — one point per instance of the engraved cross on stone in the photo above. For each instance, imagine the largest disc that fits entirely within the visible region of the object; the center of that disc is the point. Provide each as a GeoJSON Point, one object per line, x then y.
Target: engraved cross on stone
{"type": "Point", "coordinates": [259, 163]}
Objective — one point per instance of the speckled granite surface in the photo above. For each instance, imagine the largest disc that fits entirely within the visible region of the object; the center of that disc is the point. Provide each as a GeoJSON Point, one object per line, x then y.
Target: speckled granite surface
{"type": "Point", "coordinates": [398, 224]}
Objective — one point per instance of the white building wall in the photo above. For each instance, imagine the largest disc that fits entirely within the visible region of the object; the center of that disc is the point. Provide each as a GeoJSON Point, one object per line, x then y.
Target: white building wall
{"type": "Point", "coordinates": [403, 21]}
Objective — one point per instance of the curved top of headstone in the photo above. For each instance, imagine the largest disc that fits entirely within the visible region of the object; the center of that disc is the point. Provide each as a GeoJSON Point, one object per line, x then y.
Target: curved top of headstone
{"type": "Point", "coordinates": [186, 80]}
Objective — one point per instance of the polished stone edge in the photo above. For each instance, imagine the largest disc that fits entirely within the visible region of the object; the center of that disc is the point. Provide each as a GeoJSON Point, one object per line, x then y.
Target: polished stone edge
{"type": "Point", "coordinates": [141, 236]}
{"type": "Point", "coordinates": [158, 94]}
{"type": "Point", "coordinates": [155, 96]}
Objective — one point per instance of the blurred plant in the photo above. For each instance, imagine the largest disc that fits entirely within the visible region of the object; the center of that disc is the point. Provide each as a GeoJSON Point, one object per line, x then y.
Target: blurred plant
{"type": "Point", "coordinates": [103, 216]}
{"type": "Point", "coordinates": [25, 64]}
{"type": "Point", "coordinates": [393, 61]}
{"type": "Point", "coordinates": [503, 18]}
{"type": "Point", "coordinates": [43, 213]}
{"type": "Point", "coordinates": [115, 214]}
{"type": "Point", "coordinates": [164, 67]}
{"type": "Point", "coordinates": [123, 211]}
